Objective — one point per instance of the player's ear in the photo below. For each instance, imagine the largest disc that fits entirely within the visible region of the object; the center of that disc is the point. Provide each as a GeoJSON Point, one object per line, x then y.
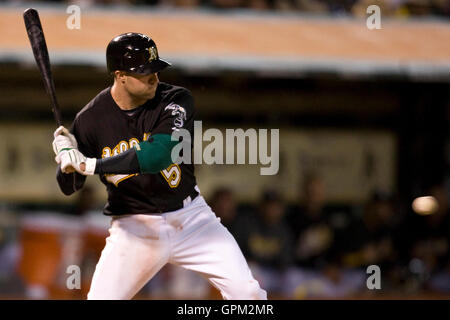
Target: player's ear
{"type": "Point", "coordinates": [119, 76]}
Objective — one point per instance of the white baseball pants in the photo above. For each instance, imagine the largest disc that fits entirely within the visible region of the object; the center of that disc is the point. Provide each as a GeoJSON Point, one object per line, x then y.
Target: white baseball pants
{"type": "Point", "coordinates": [192, 237]}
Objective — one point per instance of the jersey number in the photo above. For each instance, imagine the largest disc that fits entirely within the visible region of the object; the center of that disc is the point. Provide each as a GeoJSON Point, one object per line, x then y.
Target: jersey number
{"type": "Point", "coordinates": [172, 175]}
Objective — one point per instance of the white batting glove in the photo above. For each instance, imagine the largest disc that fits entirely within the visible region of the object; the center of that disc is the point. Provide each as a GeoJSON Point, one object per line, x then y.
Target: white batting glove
{"type": "Point", "coordinates": [63, 140]}
{"type": "Point", "coordinates": [73, 159]}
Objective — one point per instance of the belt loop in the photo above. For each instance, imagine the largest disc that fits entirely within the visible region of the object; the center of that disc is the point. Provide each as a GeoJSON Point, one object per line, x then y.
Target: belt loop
{"type": "Point", "coordinates": [186, 201]}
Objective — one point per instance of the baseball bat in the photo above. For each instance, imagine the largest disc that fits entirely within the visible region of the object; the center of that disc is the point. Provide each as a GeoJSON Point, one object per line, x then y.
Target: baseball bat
{"type": "Point", "coordinates": [40, 52]}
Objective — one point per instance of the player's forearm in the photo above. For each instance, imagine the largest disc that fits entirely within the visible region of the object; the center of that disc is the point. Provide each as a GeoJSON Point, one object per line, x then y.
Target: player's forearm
{"type": "Point", "coordinates": [125, 163]}
{"type": "Point", "coordinates": [151, 157]}
{"type": "Point", "coordinates": [70, 182]}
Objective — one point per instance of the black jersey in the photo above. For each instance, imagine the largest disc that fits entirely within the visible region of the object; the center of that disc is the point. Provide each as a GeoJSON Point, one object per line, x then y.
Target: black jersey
{"type": "Point", "coordinates": [103, 130]}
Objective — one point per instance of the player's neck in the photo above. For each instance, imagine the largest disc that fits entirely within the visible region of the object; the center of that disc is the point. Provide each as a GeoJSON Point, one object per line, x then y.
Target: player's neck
{"type": "Point", "coordinates": [124, 100]}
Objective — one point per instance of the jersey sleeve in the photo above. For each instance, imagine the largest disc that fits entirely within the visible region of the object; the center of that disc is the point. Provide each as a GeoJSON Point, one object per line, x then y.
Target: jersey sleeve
{"type": "Point", "coordinates": [177, 114]}
{"type": "Point", "coordinates": [69, 182]}
{"type": "Point", "coordinates": [84, 139]}
{"type": "Point", "coordinates": [72, 182]}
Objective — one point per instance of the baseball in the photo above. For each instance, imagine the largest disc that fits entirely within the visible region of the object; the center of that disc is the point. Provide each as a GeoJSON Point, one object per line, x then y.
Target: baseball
{"type": "Point", "coordinates": [425, 205]}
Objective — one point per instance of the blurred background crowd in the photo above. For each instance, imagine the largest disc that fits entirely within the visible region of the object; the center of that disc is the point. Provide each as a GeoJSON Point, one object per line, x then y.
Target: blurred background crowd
{"type": "Point", "coordinates": [400, 8]}
{"type": "Point", "coordinates": [305, 250]}
{"type": "Point", "coordinates": [364, 121]}
{"type": "Point", "coordinates": [314, 249]}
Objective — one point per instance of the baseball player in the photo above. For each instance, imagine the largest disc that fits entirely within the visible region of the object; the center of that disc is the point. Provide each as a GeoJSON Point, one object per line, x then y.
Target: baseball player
{"type": "Point", "coordinates": [158, 214]}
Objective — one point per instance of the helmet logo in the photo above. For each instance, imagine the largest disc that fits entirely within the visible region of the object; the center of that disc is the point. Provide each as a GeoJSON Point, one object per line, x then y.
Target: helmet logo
{"type": "Point", "coordinates": [153, 53]}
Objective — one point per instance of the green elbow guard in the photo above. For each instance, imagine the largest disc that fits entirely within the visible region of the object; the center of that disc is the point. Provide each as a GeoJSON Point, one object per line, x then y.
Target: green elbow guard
{"type": "Point", "coordinates": [155, 156]}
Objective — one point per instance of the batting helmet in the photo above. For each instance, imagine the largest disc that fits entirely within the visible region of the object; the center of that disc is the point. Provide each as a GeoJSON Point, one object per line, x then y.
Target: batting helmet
{"type": "Point", "coordinates": [134, 52]}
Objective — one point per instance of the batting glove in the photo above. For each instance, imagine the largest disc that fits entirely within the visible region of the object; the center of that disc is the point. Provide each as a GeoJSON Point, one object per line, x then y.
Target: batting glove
{"type": "Point", "coordinates": [73, 158]}
{"type": "Point", "coordinates": [63, 140]}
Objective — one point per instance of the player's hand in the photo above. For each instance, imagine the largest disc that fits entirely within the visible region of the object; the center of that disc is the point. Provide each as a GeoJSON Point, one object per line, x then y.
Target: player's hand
{"type": "Point", "coordinates": [63, 140]}
{"type": "Point", "coordinates": [73, 160]}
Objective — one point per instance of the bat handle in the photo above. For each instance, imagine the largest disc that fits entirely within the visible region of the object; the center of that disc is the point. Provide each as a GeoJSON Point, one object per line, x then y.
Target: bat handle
{"type": "Point", "coordinates": [55, 109]}
{"type": "Point", "coordinates": [57, 117]}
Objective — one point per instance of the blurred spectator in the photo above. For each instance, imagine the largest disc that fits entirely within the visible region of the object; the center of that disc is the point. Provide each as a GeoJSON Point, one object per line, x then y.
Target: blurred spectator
{"type": "Point", "coordinates": [318, 232]}
{"type": "Point", "coordinates": [266, 241]}
{"type": "Point", "coordinates": [310, 225]}
{"type": "Point", "coordinates": [372, 239]}
{"type": "Point", "coordinates": [223, 205]}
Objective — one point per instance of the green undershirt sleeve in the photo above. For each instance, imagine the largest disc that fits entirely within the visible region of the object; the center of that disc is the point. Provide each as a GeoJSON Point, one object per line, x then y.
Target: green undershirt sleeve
{"type": "Point", "coordinates": [154, 155]}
